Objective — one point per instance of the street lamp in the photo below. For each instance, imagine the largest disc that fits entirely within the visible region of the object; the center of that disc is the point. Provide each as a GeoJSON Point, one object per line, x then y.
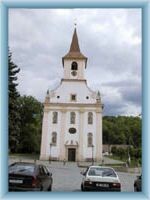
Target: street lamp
{"type": "Point", "coordinates": [92, 154]}
{"type": "Point", "coordinates": [129, 145]}
{"type": "Point", "coordinates": [50, 145]}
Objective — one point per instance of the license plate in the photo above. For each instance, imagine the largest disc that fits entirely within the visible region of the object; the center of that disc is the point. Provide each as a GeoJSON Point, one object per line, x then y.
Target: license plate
{"type": "Point", "coordinates": [102, 185]}
{"type": "Point", "coordinates": [15, 181]}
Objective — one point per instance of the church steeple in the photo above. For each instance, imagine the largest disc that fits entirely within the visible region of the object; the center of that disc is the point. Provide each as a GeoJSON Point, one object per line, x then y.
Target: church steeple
{"type": "Point", "coordinates": [74, 52]}
{"type": "Point", "coordinates": [74, 47]}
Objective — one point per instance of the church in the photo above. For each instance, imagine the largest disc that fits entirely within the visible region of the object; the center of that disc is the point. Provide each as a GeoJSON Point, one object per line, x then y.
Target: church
{"type": "Point", "coordinates": [72, 120]}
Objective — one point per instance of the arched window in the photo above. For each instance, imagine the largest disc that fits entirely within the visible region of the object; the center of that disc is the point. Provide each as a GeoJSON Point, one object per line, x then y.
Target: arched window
{"type": "Point", "coordinates": [90, 139]}
{"type": "Point", "coordinates": [74, 66]}
{"type": "Point", "coordinates": [55, 117]}
{"type": "Point", "coordinates": [72, 118]}
{"type": "Point", "coordinates": [54, 138]}
{"type": "Point", "coordinates": [90, 118]}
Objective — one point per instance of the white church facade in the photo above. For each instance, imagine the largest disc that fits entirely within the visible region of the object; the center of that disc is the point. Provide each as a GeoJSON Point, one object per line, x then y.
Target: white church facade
{"type": "Point", "coordinates": [72, 120]}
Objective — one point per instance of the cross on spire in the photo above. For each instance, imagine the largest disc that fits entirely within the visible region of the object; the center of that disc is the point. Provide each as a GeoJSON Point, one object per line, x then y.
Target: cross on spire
{"type": "Point", "coordinates": [75, 23]}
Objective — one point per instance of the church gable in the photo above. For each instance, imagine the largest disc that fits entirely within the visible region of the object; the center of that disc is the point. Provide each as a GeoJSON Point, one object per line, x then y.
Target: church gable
{"type": "Point", "coordinates": [69, 89]}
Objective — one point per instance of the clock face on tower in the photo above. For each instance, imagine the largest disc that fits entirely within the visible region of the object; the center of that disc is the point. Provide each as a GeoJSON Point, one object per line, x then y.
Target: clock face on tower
{"type": "Point", "coordinates": [74, 73]}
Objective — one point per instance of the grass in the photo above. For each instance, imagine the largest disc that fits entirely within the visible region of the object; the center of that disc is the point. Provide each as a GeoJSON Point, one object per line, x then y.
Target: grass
{"type": "Point", "coordinates": [134, 162]}
{"type": "Point", "coordinates": [29, 156]}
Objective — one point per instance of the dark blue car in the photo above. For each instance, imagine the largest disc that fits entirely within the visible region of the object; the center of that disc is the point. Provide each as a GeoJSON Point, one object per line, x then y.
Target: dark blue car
{"type": "Point", "coordinates": [29, 177]}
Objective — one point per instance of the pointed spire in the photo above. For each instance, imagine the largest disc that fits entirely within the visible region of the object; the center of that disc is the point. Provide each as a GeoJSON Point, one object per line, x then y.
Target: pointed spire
{"type": "Point", "coordinates": [74, 52]}
{"type": "Point", "coordinates": [74, 47]}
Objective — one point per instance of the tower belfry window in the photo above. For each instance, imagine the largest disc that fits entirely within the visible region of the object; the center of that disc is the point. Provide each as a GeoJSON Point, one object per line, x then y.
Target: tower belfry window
{"type": "Point", "coordinates": [74, 66]}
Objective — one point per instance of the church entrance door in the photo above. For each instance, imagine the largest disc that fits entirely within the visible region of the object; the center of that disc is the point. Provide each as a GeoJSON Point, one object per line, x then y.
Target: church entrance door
{"type": "Point", "coordinates": [71, 154]}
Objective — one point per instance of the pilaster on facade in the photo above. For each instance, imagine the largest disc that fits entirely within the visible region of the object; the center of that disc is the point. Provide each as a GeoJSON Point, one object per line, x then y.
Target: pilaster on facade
{"type": "Point", "coordinates": [43, 155]}
{"type": "Point", "coordinates": [81, 118]}
{"type": "Point", "coordinates": [98, 137]}
{"type": "Point", "coordinates": [62, 135]}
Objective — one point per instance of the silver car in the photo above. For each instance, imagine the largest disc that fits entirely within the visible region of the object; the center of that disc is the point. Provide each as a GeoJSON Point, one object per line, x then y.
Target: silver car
{"type": "Point", "coordinates": [98, 178]}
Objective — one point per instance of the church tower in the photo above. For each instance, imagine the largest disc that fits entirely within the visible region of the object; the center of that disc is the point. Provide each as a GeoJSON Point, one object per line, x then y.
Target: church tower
{"type": "Point", "coordinates": [75, 59]}
{"type": "Point", "coordinates": [72, 121]}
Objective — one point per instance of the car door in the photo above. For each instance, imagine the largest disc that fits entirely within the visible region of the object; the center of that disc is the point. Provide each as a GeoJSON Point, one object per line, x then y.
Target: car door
{"type": "Point", "coordinates": [43, 177]}
{"type": "Point", "coordinates": [139, 183]}
{"type": "Point", "coordinates": [48, 178]}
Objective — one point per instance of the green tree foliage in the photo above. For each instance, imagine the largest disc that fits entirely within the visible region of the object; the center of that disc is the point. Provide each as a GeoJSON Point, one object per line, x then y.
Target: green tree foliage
{"type": "Point", "coordinates": [14, 117]}
{"type": "Point", "coordinates": [31, 112]}
{"type": "Point", "coordinates": [122, 130]}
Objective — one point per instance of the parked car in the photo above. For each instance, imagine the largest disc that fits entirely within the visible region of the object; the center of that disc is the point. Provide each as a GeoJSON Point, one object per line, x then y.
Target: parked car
{"type": "Point", "coordinates": [105, 153]}
{"type": "Point", "coordinates": [29, 177]}
{"type": "Point", "coordinates": [98, 178]}
{"type": "Point", "coordinates": [137, 184]}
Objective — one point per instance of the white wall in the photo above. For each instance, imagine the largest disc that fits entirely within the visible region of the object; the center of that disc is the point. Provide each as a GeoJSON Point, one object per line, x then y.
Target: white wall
{"type": "Point", "coordinates": [55, 150]}
{"type": "Point", "coordinates": [53, 128]}
{"type": "Point", "coordinates": [80, 71]}
{"type": "Point", "coordinates": [63, 105]}
{"type": "Point", "coordinates": [69, 87]}
{"type": "Point", "coordinates": [88, 128]}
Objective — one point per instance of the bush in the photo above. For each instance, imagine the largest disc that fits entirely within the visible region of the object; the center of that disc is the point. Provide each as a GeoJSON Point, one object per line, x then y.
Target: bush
{"type": "Point", "coordinates": [113, 150]}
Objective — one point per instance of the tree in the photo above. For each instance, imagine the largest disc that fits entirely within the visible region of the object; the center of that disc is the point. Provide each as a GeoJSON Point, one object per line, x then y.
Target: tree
{"type": "Point", "coordinates": [31, 112]}
{"type": "Point", "coordinates": [122, 130]}
{"type": "Point", "coordinates": [14, 118]}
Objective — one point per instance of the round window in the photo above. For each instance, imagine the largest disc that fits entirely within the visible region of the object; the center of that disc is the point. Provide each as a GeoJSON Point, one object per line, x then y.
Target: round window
{"type": "Point", "coordinates": [72, 130]}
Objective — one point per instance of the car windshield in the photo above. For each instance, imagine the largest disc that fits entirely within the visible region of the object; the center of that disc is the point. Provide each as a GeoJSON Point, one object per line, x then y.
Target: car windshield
{"type": "Point", "coordinates": [97, 171]}
{"type": "Point", "coordinates": [21, 168]}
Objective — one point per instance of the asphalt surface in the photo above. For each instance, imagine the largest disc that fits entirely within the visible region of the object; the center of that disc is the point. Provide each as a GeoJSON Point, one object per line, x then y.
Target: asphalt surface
{"type": "Point", "coordinates": [67, 178]}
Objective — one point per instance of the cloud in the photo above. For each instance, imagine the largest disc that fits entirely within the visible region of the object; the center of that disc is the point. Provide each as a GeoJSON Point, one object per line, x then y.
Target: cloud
{"type": "Point", "coordinates": [110, 38]}
{"type": "Point", "coordinates": [132, 95]}
{"type": "Point", "coordinates": [124, 98]}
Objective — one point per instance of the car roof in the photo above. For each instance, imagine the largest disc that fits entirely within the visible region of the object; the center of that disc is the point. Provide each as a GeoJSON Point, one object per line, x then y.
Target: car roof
{"type": "Point", "coordinates": [25, 163]}
{"type": "Point", "coordinates": [97, 166]}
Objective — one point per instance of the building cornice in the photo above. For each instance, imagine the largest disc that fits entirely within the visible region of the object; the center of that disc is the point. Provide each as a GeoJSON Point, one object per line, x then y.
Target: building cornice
{"type": "Point", "coordinates": [74, 105]}
{"type": "Point", "coordinates": [73, 80]}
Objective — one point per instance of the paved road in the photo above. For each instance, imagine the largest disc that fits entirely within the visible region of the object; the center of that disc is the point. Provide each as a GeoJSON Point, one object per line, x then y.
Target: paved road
{"type": "Point", "coordinates": [68, 178]}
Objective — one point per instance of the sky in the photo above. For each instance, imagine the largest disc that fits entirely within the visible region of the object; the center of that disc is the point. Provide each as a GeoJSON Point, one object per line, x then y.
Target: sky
{"type": "Point", "coordinates": [110, 38]}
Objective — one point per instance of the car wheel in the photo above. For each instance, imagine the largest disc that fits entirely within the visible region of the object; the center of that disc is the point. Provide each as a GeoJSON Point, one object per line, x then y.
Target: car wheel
{"type": "Point", "coordinates": [50, 188]}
